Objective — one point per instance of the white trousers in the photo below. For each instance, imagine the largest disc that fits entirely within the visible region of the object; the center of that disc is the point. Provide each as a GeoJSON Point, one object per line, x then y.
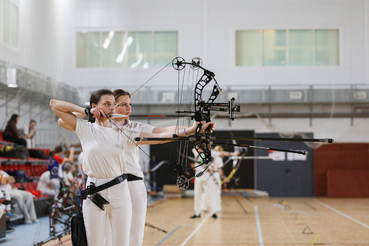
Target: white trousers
{"type": "Point", "coordinates": [203, 187]}
{"type": "Point", "coordinates": [25, 201]}
{"type": "Point", "coordinates": [114, 222]}
{"type": "Point", "coordinates": [138, 194]}
{"type": "Point", "coordinates": [217, 190]}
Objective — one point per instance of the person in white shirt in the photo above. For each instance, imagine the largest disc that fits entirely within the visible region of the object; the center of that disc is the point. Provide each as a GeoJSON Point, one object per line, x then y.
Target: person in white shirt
{"type": "Point", "coordinates": [24, 199]}
{"type": "Point", "coordinates": [67, 173]}
{"type": "Point", "coordinates": [203, 190]}
{"type": "Point", "coordinates": [105, 147]}
{"type": "Point", "coordinates": [46, 186]}
{"type": "Point", "coordinates": [136, 185]}
{"type": "Point", "coordinates": [218, 174]}
{"type": "Point", "coordinates": [30, 131]}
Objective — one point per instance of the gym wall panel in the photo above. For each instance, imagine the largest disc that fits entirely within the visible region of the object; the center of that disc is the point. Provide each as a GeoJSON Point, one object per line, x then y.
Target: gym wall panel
{"type": "Point", "coordinates": [348, 183]}
{"type": "Point", "coordinates": [344, 157]}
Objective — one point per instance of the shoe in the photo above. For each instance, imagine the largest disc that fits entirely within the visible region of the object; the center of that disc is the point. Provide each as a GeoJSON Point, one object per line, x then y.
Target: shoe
{"type": "Point", "coordinates": [214, 216]}
{"type": "Point", "coordinates": [195, 216]}
{"type": "Point", "coordinates": [35, 221]}
{"type": "Point", "coordinates": [9, 229]}
{"type": "Point", "coordinates": [28, 222]}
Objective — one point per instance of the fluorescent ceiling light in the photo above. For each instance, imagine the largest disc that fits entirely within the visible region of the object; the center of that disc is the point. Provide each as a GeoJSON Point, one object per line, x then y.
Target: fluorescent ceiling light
{"type": "Point", "coordinates": [12, 85]}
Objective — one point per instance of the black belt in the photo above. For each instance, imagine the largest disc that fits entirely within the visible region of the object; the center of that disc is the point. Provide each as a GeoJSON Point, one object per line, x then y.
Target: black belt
{"type": "Point", "coordinates": [91, 189]}
{"type": "Point", "coordinates": [131, 177]}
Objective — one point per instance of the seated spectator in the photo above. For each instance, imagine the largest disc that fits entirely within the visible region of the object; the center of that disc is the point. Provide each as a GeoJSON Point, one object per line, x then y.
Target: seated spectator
{"type": "Point", "coordinates": [5, 200]}
{"type": "Point", "coordinates": [22, 198]}
{"type": "Point", "coordinates": [48, 186]}
{"type": "Point", "coordinates": [67, 174]}
{"type": "Point", "coordinates": [11, 131]}
{"type": "Point", "coordinates": [29, 132]}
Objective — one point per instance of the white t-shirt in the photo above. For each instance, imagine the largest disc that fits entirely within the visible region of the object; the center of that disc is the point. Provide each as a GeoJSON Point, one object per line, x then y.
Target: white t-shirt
{"type": "Point", "coordinates": [104, 148]}
{"type": "Point", "coordinates": [67, 177]}
{"type": "Point", "coordinates": [133, 157]}
{"type": "Point", "coordinates": [30, 141]}
{"type": "Point", "coordinates": [5, 188]}
{"type": "Point", "coordinates": [80, 161]}
{"type": "Point", "coordinates": [218, 161]}
{"type": "Point", "coordinates": [44, 181]}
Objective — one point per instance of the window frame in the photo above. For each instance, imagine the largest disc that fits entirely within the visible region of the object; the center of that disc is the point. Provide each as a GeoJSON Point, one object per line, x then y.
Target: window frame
{"type": "Point", "coordinates": [101, 68]}
{"type": "Point", "coordinates": [288, 66]}
{"type": "Point", "coordinates": [11, 20]}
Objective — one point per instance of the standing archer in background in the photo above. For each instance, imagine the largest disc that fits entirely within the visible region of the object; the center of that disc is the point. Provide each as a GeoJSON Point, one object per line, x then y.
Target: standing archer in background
{"type": "Point", "coordinates": [55, 165]}
{"type": "Point", "coordinates": [218, 174]}
{"type": "Point", "coordinates": [203, 189]}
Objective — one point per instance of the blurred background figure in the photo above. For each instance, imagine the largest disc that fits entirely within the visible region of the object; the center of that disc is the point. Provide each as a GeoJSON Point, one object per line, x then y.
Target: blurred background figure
{"type": "Point", "coordinates": [11, 132]}
{"type": "Point", "coordinates": [29, 132]}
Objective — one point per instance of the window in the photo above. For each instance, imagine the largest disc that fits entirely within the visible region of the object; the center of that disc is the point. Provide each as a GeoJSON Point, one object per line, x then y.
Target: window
{"type": "Point", "coordinates": [300, 48]}
{"type": "Point", "coordinates": [133, 49]}
{"type": "Point", "coordinates": [9, 11]}
{"type": "Point", "coordinates": [310, 47]}
{"type": "Point", "coordinates": [326, 47]}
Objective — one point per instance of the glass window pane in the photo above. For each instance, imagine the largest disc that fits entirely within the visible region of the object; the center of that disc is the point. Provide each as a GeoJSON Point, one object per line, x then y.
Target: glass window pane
{"type": "Point", "coordinates": [88, 49]}
{"type": "Point", "coordinates": [6, 21]}
{"type": "Point", "coordinates": [300, 47]}
{"type": "Point", "coordinates": [165, 47]}
{"type": "Point", "coordinates": [274, 47]}
{"type": "Point", "coordinates": [140, 49]}
{"type": "Point", "coordinates": [248, 48]}
{"type": "Point", "coordinates": [14, 25]}
{"type": "Point", "coordinates": [326, 47]}
{"type": "Point", "coordinates": [115, 49]}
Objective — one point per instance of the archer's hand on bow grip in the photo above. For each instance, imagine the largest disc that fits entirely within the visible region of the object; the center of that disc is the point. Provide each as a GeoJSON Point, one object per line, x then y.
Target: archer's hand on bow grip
{"type": "Point", "coordinates": [207, 127]}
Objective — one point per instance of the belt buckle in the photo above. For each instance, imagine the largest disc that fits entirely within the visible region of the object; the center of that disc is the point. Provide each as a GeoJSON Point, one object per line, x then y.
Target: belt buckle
{"type": "Point", "coordinates": [120, 179]}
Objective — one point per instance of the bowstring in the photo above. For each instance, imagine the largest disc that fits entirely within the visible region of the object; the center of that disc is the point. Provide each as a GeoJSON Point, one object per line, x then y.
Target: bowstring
{"type": "Point", "coordinates": [188, 105]}
{"type": "Point", "coordinates": [119, 128]}
{"type": "Point", "coordinates": [145, 82]}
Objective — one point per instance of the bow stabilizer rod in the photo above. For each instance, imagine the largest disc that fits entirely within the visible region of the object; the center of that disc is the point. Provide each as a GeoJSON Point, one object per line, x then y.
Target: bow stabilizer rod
{"type": "Point", "coordinates": [318, 140]}
{"type": "Point", "coordinates": [301, 152]}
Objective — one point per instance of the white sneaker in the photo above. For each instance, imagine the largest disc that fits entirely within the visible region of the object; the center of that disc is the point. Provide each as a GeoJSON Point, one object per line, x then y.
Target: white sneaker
{"type": "Point", "coordinates": [28, 222]}
{"type": "Point", "coordinates": [35, 221]}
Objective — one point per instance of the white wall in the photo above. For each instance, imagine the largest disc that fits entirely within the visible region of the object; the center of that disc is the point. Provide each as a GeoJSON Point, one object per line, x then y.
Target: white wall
{"type": "Point", "coordinates": [207, 29]}
{"type": "Point", "coordinates": [42, 25]}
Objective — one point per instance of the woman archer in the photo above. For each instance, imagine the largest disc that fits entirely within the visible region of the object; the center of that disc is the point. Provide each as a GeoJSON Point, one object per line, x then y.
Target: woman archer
{"type": "Point", "coordinates": [105, 147]}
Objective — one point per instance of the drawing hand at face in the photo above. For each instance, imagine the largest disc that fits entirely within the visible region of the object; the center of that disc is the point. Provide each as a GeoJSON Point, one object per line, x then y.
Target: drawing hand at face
{"type": "Point", "coordinates": [97, 112]}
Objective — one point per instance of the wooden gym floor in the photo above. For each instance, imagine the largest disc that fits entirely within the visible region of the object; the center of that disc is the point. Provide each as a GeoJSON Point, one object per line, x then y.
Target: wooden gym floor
{"type": "Point", "coordinates": [259, 221]}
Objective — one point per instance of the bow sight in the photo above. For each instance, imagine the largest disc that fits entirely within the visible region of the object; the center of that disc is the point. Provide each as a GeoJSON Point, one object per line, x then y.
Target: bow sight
{"type": "Point", "coordinates": [202, 108]}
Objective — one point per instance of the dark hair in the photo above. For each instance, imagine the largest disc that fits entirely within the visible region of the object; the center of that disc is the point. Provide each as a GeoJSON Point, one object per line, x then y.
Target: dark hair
{"type": "Point", "coordinates": [95, 98]}
{"type": "Point", "coordinates": [31, 121]}
{"type": "Point", "coordinates": [13, 118]}
{"type": "Point", "coordinates": [119, 92]}
{"type": "Point", "coordinates": [58, 149]}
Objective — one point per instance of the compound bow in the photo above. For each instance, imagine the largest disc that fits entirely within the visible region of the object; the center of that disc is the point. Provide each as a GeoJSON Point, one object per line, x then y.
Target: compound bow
{"type": "Point", "coordinates": [201, 113]}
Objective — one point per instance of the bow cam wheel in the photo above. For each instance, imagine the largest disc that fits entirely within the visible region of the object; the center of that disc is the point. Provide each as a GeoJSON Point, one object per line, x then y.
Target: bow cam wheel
{"type": "Point", "coordinates": [178, 63]}
{"type": "Point", "coordinates": [196, 62]}
{"type": "Point", "coordinates": [182, 182]}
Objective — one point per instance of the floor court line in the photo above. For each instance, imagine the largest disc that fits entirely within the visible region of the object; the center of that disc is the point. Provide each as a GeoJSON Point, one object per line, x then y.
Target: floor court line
{"type": "Point", "coordinates": [260, 234]}
{"type": "Point", "coordinates": [343, 214]}
{"type": "Point", "coordinates": [170, 234]}
{"type": "Point", "coordinates": [197, 228]}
